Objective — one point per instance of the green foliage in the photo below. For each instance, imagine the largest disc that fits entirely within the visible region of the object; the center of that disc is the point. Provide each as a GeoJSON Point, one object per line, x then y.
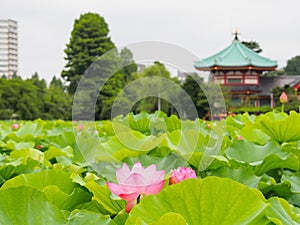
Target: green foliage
{"type": "Point", "coordinates": [56, 82]}
{"type": "Point", "coordinates": [253, 45]}
{"type": "Point", "coordinates": [200, 91]}
{"type": "Point", "coordinates": [293, 102]}
{"type": "Point", "coordinates": [228, 202]}
{"type": "Point", "coordinates": [293, 66]}
{"type": "Point", "coordinates": [280, 127]}
{"type": "Point", "coordinates": [31, 99]}
{"type": "Point", "coordinates": [89, 40]}
{"type": "Point", "coordinates": [129, 66]}
{"type": "Point", "coordinates": [277, 72]}
{"type": "Point", "coordinates": [191, 86]}
{"type": "Point", "coordinates": [28, 211]}
{"type": "Point", "coordinates": [253, 177]}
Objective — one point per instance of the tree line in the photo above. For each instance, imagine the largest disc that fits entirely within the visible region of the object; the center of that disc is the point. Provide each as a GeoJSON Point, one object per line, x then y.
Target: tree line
{"type": "Point", "coordinates": [90, 52]}
{"type": "Point", "coordinates": [31, 99]}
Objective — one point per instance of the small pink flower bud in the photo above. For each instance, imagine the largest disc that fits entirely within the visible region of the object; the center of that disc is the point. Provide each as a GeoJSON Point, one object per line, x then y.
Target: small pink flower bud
{"type": "Point", "coordinates": [240, 137]}
{"type": "Point", "coordinates": [80, 127]}
{"type": "Point", "coordinates": [283, 98]}
{"type": "Point", "coordinates": [15, 126]}
{"type": "Point", "coordinates": [181, 174]}
{"type": "Point", "coordinates": [38, 147]}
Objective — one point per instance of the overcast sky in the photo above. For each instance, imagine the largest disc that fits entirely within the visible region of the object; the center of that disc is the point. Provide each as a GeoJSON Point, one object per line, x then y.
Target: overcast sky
{"type": "Point", "coordinates": [202, 27]}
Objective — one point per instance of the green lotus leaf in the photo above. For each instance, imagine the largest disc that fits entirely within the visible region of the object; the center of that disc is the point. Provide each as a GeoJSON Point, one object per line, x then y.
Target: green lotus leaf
{"type": "Point", "coordinates": [143, 122]}
{"type": "Point", "coordinates": [211, 200]}
{"type": "Point", "coordinates": [87, 147]}
{"type": "Point", "coordinates": [19, 145]}
{"type": "Point", "coordinates": [62, 139]}
{"type": "Point", "coordinates": [139, 122]}
{"type": "Point", "coordinates": [30, 129]}
{"type": "Point", "coordinates": [42, 179]}
{"type": "Point", "coordinates": [62, 155]}
{"type": "Point", "coordinates": [188, 141]}
{"type": "Point", "coordinates": [293, 179]}
{"type": "Point", "coordinates": [5, 129]}
{"type": "Point", "coordinates": [102, 196]}
{"type": "Point", "coordinates": [58, 127]}
{"type": "Point", "coordinates": [170, 219]}
{"type": "Point", "coordinates": [121, 218]}
{"type": "Point", "coordinates": [217, 161]}
{"type": "Point", "coordinates": [173, 123]}
{"type": "Point", "coordinates": [279, 126]}
{"type": "Point", "coordinates": [113, 151]}
{"type": "Point", "coordinates": [261, 158]}
{"type": "Point", "coordinates": [13, 167]}
{"type": "Point", "coordinates": [57, 186]}
{"type": "Point", "coordinates": [254, 135]}
{"type": "Point", "coordinates": [234, 122]}
{"type": "Point", "coordinates": [26, 154]}
{"type": "Point", "coordinates": [28, 206]}
{"type": "Point", "coordinates": [281, 212]}
{"type": "Point", "coordinates": [135, 140]}
{"type": "Point", "coordinates": [244, 176]}
{"type": "Point", "coordinates": [81, 217]}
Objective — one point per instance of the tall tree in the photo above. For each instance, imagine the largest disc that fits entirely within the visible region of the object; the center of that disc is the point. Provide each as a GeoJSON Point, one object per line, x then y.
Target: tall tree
{"type": "Point", "coordinates": [151, 104]}
{"type": "Point", "coordinates": [293, 66]}
{"type": "Point", "coordinates": [128, 64]}
{"type": "Point", "coordinates": [89, 40]}
{"type": "Point", "coordinates": [191, 86]}
{"type": "Point", "coordinates": [56, 82]}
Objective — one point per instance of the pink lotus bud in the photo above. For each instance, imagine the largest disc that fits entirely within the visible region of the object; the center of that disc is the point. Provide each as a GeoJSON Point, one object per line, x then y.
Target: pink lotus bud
{"type": "Point", "coordinates": [136, 183]}
{"type": "Point", "coordinates": [240, 137]}
{"type": "Point", "coordinates": [80, 127]}
{"type": "Point", "coordinates": [15, 126]}
{"type": "Point", "coordinates": [181, 174]}
{"type": "Point", "coordinates": [38, 147]}
{"type": "Point", "coordinates": [283, 98]}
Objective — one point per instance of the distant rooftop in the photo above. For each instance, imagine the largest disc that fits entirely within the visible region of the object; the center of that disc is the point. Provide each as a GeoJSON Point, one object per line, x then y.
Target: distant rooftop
{"type": "Point", "coordinates": [236, 56]}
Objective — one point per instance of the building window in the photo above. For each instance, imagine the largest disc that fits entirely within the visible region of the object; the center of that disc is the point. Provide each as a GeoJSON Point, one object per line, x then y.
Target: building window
{"type": "Point", "coordinates": [234, 81]}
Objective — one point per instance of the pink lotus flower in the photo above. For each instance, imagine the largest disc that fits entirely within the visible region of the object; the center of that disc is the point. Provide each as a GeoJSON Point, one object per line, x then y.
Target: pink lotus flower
{"type": "Point", "coordinates": [38, 147]}
{"type": "Point", "coordinates": [283, 98]}
{"type": "Point", "coordinates": [181, 174]}
{"type": "Point", "coordinates": [240, 137]}
{"type": "Point", "coordinates": [15, 126]}
{"type": "Point", "coordinates": [136, 183]}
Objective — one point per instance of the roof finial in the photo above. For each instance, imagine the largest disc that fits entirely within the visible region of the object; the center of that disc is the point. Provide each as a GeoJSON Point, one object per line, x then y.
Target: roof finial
{"type": "Point", "coordinates": [236, 34]}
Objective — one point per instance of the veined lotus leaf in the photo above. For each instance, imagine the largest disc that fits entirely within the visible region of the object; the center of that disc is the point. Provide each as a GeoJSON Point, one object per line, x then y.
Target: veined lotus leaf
{"type": "Point", "coordinates": [207, 201]}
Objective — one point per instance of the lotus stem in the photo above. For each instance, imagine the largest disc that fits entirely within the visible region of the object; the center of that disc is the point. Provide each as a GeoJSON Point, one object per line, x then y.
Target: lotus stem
{"type": "Point", "coordinates": [282, 107]}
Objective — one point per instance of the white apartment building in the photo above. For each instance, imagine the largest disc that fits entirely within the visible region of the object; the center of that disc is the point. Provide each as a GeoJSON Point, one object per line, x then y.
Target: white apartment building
{"type": "Point", "coordinates": [8, 47]}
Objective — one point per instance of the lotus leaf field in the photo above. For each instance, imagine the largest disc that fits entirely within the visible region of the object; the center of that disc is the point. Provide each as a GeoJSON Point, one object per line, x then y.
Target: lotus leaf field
{"type": "Point", "coordinates": [57, 172]}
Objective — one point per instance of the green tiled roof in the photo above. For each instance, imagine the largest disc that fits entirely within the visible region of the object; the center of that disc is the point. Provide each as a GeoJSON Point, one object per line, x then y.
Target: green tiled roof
{"type": "Point", "coordinates": [236, 55]}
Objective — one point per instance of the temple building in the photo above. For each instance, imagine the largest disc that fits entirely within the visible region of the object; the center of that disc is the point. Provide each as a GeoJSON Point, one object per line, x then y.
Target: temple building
{"type": "Point", "coordinates": [240, 68]}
